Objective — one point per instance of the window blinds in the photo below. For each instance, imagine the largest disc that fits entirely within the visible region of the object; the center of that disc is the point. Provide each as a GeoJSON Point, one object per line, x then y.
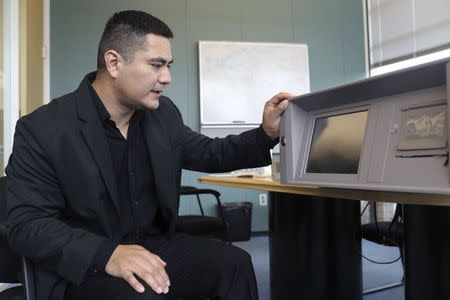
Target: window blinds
{"type": "Point", "coordinates": [403, 29]}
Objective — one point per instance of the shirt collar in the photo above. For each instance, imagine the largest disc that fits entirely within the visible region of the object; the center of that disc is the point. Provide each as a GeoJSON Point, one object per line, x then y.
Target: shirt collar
{"type": "Point", "coordinates": [99, 106]}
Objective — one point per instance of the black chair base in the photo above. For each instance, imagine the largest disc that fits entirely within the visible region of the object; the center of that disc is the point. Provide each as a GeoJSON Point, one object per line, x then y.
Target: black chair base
{"type": "Point", "coordinates": [383, 287]}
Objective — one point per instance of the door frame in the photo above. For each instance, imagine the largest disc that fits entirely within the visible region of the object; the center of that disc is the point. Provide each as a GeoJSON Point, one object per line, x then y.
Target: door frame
{"type": "Point", "coordinates": [46, 51]}
{"type": "Point", "coordinates": [11, 78]}
{"type": "Point", "coordinates": [11, 69]}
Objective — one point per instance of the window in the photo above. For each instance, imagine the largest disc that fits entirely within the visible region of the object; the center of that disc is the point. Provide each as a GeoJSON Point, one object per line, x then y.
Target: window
{"type": "Point", "coordinates": [403, 33]}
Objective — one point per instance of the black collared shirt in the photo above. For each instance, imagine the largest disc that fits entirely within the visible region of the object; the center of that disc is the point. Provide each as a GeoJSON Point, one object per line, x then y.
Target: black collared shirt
{"type": "Point", "coordinates": [134, 180]}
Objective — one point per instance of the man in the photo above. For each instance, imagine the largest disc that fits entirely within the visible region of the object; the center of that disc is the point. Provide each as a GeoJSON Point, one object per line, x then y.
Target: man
{"type": "Point", "coordinates": [94, 179]}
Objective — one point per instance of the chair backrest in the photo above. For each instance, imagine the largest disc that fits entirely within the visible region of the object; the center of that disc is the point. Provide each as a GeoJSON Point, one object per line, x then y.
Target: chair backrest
{"type": "Point", "coordinates": [13, 267]}
{"type": "Point", "coordinates": [10, 262]}
{"type": "Point", "coordinates": [3, 200]}
{"type": "Point", "coordinates": [397, 219]}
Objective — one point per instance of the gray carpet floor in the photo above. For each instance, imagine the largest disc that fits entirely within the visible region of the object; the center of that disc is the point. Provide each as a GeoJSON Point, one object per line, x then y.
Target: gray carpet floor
{"type": "Point", "coordinates": [374, 275]}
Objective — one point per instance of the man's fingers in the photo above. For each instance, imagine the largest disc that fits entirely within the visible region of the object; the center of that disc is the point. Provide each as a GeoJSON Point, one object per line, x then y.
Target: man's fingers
{"type": "Point", "coordinates": [155, 280]}
{"type": "Point", "coordinates": [160, 260]}
{"type": "Point", "coordinates": [159, 265]}
{"type": "Point", "coordinates": [135, 284]}
{"type": "Point", "coordinates": [155, 273]}
{"type": "Point", "coordinates": [278, 109]}
{"type": "Point", "coordinates": [280, 97]}
{"type": "Point", "coordinates": [151, 281]}
{"type": "Point", "coordinates": [282, 106]}
{"type": "Point", "coordinates": [165, 277]}
{"type": "Point", "coordinates": [272, 113]}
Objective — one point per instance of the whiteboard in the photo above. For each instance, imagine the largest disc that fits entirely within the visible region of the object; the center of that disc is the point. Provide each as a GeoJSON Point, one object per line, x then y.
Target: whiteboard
{"type": "Point", "coordinates": [237, 78]}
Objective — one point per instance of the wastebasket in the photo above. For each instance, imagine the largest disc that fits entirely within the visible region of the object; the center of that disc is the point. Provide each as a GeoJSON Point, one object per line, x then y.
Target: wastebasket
{"type": "Point", "coordinates": [238, 216]}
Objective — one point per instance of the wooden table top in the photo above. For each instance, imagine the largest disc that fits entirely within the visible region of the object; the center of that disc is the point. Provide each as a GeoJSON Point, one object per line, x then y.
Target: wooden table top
{"type": "Point", "coordinates": [268, 184]}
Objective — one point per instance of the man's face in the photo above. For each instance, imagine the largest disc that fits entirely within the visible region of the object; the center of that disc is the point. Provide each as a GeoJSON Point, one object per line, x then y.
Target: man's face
{"type": "Point", "coordinates": [141, 80]}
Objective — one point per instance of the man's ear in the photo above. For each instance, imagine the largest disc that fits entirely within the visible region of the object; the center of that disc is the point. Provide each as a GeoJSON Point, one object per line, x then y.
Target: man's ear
{"type": "Point", "coordinates": [112, 62]}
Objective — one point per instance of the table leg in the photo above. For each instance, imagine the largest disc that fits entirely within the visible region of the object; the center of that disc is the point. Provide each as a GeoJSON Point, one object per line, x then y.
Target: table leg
{"type": "Point", "coordinates": [312, 245]}
{"type": "Point", "coordinates": [427, 252]}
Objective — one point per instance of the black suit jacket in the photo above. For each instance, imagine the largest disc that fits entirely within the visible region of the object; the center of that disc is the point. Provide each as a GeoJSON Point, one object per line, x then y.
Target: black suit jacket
{"type": "Point", "coordinates": [62, 196]}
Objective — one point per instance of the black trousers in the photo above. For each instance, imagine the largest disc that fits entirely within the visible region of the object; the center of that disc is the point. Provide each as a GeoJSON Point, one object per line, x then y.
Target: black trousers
{"type": "Point", "coordinates": [198, 268]}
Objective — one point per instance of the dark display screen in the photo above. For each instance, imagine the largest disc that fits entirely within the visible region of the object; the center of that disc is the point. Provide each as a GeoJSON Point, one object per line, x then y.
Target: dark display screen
{"type": "Point", "coordinates": [336, 143]}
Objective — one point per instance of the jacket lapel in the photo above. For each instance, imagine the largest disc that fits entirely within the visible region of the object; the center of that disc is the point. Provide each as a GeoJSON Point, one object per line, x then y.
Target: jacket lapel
{"type": "Point", "coordinates": [96, 140]}
{"type": "Point", "coordinates": [95, 137]}
{"type": "Point", "coordinates": [160, 155]}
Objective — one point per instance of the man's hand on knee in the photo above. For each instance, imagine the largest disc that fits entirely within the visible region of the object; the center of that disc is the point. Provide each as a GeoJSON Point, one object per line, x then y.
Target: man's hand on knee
{"type": "Point", "coordinates": [129, 261]}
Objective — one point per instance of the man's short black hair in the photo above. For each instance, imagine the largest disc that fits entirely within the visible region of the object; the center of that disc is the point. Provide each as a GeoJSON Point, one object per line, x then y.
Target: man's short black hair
{"type": "Point", "coordinates": [125, 33]}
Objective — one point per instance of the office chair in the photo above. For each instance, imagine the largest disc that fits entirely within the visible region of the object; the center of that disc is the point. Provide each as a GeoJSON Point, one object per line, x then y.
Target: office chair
{"type": "Point", "coordinates": [202, 225]}
{"type": "Point", "coordinates": [387, 234]}
{"type": "Point", "coordinates": [13, 267]}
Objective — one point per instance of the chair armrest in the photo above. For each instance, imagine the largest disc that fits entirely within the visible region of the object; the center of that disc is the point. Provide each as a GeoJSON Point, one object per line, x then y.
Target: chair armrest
{"type": "Point", "coordinates": [200, 192]}
{"type": "Point", "coordinates": [197, 192]}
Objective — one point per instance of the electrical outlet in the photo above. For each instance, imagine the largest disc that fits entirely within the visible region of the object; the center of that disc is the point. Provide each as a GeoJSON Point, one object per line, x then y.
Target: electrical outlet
{"type": "Point", "coordinates": [262, 199]}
